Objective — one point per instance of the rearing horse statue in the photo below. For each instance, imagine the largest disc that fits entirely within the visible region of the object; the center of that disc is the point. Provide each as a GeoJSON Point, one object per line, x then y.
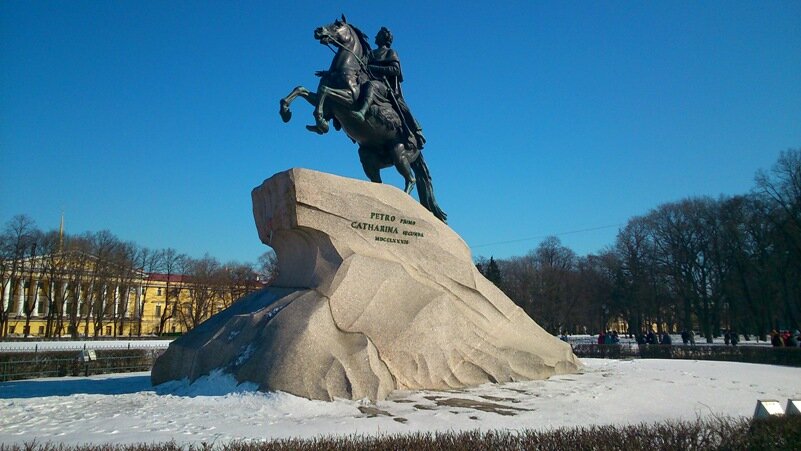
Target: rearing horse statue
{"type": "Point", "coordinates": [383, 137]}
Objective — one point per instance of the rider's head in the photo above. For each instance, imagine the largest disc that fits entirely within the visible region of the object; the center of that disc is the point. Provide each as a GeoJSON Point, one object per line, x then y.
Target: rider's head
{"type": "Point", "coordinates": [383, 38]}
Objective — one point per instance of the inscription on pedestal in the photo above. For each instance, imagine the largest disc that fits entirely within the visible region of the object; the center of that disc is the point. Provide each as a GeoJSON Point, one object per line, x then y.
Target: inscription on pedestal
{"type": "Point", "coordinates": [400, 230]}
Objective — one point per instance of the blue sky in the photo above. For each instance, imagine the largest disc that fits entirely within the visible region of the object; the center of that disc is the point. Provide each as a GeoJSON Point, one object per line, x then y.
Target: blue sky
{"type": "Point", "coordinates": [155, 119]}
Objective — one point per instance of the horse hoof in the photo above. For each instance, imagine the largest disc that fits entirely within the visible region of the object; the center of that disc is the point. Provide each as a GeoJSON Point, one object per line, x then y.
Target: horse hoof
{"type": "Point", "coordinates": [286, 113]}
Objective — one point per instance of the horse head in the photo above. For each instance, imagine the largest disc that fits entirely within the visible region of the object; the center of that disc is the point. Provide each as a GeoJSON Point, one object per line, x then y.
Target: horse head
{"type": "Point", "coordinates": [338, 33]}
{"type": "Point", "coordinates": [341, 34]}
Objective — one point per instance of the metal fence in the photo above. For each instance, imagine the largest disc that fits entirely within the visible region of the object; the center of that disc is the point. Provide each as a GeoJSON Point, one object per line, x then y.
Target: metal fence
{"type": "Point", "coordinates": [48, 346]}
{"type": "Point", "coordinates": [31, 365]}
{"type": "Point", "coordinates": [745, 354]}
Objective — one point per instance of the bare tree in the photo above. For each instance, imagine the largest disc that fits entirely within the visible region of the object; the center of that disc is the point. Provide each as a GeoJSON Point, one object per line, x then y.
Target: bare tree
{"type": "Point", "coordinates": [238, 280]}
{"type": "Point", "coordinates": [782, 188]}
{"type": "Point", "coordinates": [267, 267]}
{"type": "Point", "coordinates": [78, 271]}
{"type": "Point", "coordinates": [173, 264]}
{"type": "Point", "coordinates": [34, 272]}
{"type": "Point", "coordinates": [127, 273]}
{"type": "Point", "coordinates": [207, 285]}
{"type": "Point", "coordinates": [15, 242]}
{"type": "Point", "coordinates": [599, 296]}
{"type": "Point", "coordinates": [53, 266]}
{"type": "Point", "coordinates": [148, 262]}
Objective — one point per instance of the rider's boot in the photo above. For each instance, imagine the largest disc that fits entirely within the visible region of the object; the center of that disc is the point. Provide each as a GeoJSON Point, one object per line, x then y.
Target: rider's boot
{"type": "Point", "coordinates": [368, 99]}
{"type": "Point", "coordinates": [417, 130]}
{"type": "Point", "coordinates": [359, 114]}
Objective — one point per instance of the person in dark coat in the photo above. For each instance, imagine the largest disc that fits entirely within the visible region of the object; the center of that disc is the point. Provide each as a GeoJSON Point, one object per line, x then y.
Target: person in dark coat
{"type": "Point", "coordinates": [776, 339]}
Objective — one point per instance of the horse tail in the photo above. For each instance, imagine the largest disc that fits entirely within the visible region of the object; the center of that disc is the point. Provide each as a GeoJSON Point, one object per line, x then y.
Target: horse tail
{"type": "Point", "coordinates": [425, 190]}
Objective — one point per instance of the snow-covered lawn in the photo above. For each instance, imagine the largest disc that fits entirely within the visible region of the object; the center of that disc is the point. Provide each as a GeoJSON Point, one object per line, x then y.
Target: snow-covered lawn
{"type": "Point", "coordinates": [125, 408]}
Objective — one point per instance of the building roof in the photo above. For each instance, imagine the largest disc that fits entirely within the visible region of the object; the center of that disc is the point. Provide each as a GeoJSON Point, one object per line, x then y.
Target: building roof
{"type": "Point", "coordinates": [160, 277]}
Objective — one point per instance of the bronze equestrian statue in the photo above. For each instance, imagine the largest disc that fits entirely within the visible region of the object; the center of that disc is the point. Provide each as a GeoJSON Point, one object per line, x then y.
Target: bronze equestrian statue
{"type": "Point", "coordinates": [360, 93]}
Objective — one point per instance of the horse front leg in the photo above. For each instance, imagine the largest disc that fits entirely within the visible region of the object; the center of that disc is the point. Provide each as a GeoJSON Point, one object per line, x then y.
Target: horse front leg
{"type": "Point", "coordinates": [284, 110]}
{"type": "Point", "coordinates": [320, 124]}
{"type": "Point", "coordinates": [342, 97]}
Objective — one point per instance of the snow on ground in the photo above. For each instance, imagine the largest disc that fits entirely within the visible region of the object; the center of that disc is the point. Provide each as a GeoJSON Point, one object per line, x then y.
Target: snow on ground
{"type": "Point", "coordinates": [31, 346]}
{"type": "Point", "coordinates": [125, 408]}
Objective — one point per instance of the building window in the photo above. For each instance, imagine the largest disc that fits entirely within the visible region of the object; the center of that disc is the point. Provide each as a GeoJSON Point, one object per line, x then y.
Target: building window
{"type": "Point", "coordinates": [158, 292]}
{"type": "Point", "coordinates": [108, 330]}
{"type": "Point", "coordinates": [41, 330]}
{"type": "Point", "coordinates": [158, 310]}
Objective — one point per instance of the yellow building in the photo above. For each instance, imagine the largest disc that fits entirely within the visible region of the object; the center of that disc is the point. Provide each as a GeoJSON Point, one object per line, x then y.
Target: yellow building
{"type": "Point", "coordinates": [65, 295]}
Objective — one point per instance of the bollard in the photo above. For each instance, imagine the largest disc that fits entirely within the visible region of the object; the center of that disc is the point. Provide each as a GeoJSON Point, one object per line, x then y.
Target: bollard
{"type": "Point", "coordinates": [767, 408]}
{"type": "Point", "coordinates": [793, 407]}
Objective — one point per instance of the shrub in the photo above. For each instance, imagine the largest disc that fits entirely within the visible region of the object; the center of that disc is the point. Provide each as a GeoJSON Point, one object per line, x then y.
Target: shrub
{"type": "Point", "coordinates": [778, 433]}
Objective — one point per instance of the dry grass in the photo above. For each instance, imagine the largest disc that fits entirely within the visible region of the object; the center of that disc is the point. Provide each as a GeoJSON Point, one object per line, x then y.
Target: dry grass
{"type": "Point", "coordinates": [780, 433]}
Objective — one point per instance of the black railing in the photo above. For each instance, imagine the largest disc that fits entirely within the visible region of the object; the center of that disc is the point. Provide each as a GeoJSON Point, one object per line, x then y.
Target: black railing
{"type": "Point", "coordinates": [31, 365]}
{"type": "Point", "coordinates": [745, 354]}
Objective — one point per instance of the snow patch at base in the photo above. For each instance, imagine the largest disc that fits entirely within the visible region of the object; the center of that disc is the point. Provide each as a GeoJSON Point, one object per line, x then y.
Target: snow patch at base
{"type": "Point", "coordinates": [218, 383]}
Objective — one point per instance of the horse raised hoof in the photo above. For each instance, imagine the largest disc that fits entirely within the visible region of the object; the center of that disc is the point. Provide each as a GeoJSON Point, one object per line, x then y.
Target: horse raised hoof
{"type": "Point", "coordinates": [318, 129]}
{"type": "Point", "coordinates": [286, 113]}
{"type": "Point", "coordinates": [322, 124]}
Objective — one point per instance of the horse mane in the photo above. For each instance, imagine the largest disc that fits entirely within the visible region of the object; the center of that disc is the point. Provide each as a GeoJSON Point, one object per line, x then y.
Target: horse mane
{"type": "Point", "coordinates": [366, 50]}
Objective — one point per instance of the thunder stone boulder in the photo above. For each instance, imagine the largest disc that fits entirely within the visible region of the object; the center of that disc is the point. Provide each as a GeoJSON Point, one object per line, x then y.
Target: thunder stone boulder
{"type": "Point", "coordinates": [374, 294]}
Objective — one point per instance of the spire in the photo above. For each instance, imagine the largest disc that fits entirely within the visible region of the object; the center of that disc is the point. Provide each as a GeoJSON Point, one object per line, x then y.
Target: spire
{"type": "Point", "coordinates": [61, 234]}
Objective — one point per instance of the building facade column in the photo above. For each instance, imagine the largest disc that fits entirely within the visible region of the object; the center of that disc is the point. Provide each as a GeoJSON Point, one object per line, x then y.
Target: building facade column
{"type": "Point", "coordinates": [65, 296]}
{"type": "Point", "coordinates": [35, 297]}
{"type": "Point", "coordinates": [116, 300]}
{"type": "Point", "coordinates": [52, 300]}
{"type": "Point", "coordinates": [20, 297]}
{"type": "Point", "coordinates": [79, 299]}
{"type": "Point", "coordinates": [103, 295]}
{"type": "Point", "coordinates": [126, 298]}
{"type": "Point", "coordinates": [138, 301]}
{"type": "Point", "coordinates": [7, 295]}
